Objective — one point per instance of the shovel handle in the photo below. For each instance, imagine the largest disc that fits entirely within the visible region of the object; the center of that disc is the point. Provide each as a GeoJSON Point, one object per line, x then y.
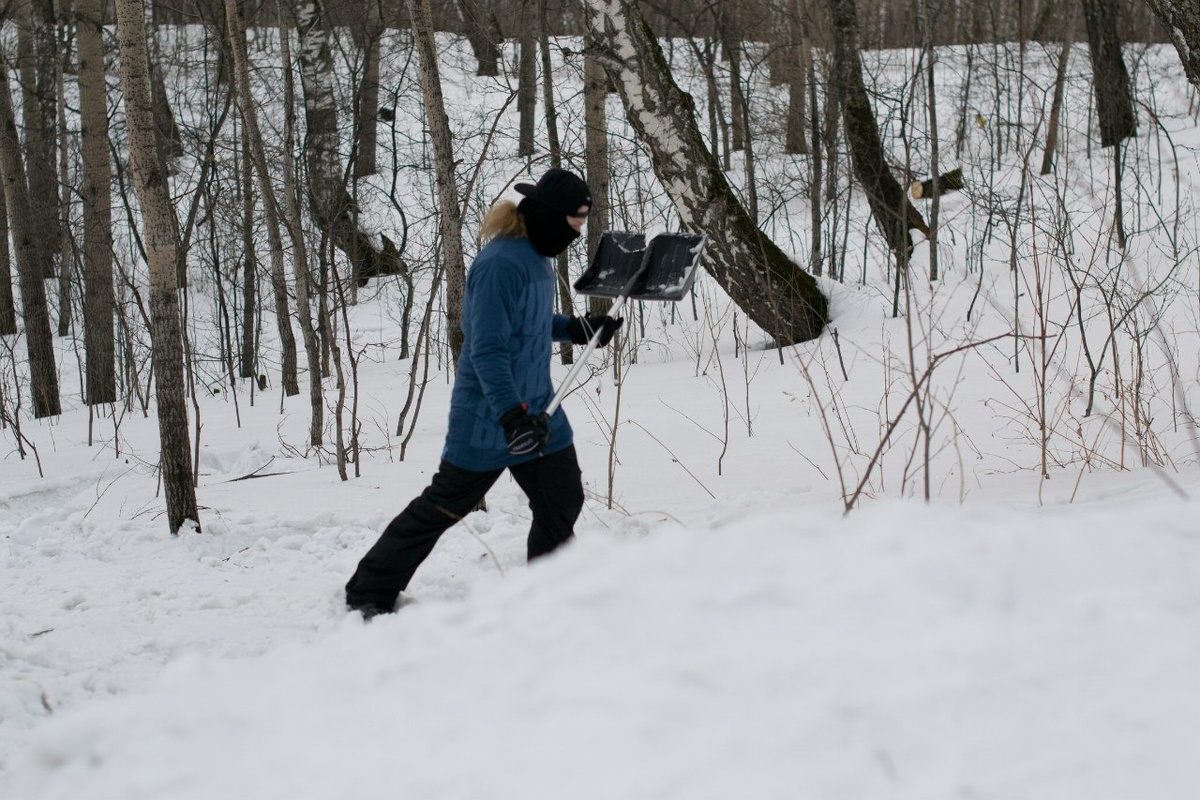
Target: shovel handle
{"type": "Point", "coordinates": [569, 381]}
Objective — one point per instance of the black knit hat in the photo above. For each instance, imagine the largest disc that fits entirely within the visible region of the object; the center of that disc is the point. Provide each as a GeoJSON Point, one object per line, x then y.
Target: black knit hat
{"type": "Point", "coordinates": [558, 190]}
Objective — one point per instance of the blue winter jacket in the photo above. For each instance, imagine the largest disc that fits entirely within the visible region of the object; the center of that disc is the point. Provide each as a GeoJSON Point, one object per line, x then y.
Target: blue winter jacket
{"type": "Point", "coordinates": [509, 323]}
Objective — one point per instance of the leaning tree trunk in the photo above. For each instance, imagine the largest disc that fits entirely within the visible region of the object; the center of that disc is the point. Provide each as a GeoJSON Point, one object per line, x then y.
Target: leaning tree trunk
{"type": "Point", "coordinates": [450, 214]}
{"type": "Point", "coordinates": [39, 341]}
{"type": "Point", "coordinates": [775, 293]}
{"type": "Point", "coordinates": [96, 193]}
{"type": "Point", "coordinates": [1181, 18]}
{"type": "Point", "coordinates": [1114, 102]}
{"type": "Point", "coordinates": [161, 235]}
{"type": "Point", "coordinates": [889, 205]}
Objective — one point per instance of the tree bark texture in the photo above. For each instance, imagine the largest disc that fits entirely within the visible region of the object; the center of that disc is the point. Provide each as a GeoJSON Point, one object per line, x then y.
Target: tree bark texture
{"type": "Point", "coordinates": [526, 81]}
{"type": "Point", "coordinates": [36, 49]}
{"type": "Point", "coordinates": [775, 293]}
{"type": "Point", "coordinates": [96, 193]}
{"type": "Point", "coordinates": [39, 341]}
{"type": "Point", "coordinates": [1114, 103]}
{"type": "Point", "coordinates": [889, 205]}
{"type": "Point", "coordinates": [595, 117]}
{"type": "Point", "coordinates": [1181, 18]}
{"type": "Point", "coordinates": [450, 212]}
{"type": "Point", "coordinates": [8, 304]}
{"type": "Point", "coordinates": [161, 237]}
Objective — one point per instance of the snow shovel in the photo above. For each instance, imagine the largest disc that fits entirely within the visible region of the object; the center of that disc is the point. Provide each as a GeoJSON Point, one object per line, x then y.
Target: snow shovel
{"type": "Point", "coordinates": [626, 268]}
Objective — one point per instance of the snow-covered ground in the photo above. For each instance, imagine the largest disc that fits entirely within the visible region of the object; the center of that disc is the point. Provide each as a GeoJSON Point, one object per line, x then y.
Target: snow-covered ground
{"type": "Point", "coordinates": [720, 629]}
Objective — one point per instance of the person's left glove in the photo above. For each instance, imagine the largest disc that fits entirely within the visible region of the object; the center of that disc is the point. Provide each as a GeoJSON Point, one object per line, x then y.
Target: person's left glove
{"type": "Point", "coordinates": [582, 328]}
{"type": "Point", "coordinates": [525, 433]}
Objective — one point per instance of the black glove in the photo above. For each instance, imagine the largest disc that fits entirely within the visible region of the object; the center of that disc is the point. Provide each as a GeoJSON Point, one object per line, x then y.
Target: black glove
{"type": "Point", "coordinates": [525, 433]}
{"type": "Point", "coordinates": [582, 328]}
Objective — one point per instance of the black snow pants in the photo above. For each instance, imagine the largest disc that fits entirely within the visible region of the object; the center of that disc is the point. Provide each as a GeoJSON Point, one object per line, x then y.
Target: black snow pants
{"type": "Point", "coordinates": [552, 483]}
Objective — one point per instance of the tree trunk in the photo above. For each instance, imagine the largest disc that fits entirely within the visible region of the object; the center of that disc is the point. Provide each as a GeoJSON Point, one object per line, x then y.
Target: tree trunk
{"type": "Point", "coordinates": [161, 236]}
{"type": "Point", "coordinates": [483, 33]}
{"type": "Point", "coordinates": [248, 366]}
{"type": "Point", "coordinates": [169, 141]}
{"type": "Point", "coordinates": [367, 127]}
{"type": "Point", "coordinates": [566, 351]}
{"type": "Point", "coordinates": [8, 306]}
{"type": "Point", "coordinates": [595, 117]}
{"type": "Point", "coordinates": [888, 202]}
{"type": "Point", "coordinates": [731, 43]}
{"type": "Point", "coordinates": [301, 275]}
{"type": "Point", "coordinates": [796, 69]}
{"type": "Point", "coordinates": [450, 216]}
{"type": "Point", "coordinates": [39, 341]}
{"type": "Point", "coordinates": [775, 293]}
{"type": "Point", "coordinates": [1181, 18]}
{"type": "Point", "coordinates": [1060, 80]}
{"type": "Point", "coordinates": [36, 49]}
{"type": "Point", "coordinates": [526, 82]}
{"type": "Point", "coordinates": [236, 27]}
{"type": "Point", "coordinates": [331, 203]}
{"type": "Point", "coordinates": [96, 194]}
{"type": "Point", "coordinates": [1114, 103]}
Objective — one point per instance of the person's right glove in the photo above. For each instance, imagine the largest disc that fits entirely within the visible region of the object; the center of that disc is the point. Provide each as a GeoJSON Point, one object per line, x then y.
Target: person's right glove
{"type": "Point", "coordinates": [525, 433]}
{"type": "Point", "coordinates": [582, 328]}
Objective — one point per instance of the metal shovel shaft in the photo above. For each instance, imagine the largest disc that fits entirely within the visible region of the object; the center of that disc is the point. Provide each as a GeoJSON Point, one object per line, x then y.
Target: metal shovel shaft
{"type": "Point", "coordinates": [569, 381]}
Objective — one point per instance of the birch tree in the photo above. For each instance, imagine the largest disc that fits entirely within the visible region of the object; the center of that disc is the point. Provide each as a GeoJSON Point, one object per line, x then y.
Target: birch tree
{"type": "Point", "coordinates": [1181, 18]}
{"type": "Point", "coordinates": [161, 237]}
{"type": "Point", "coordinates": [779, 296]}
{"type": "Point", "coordinates": [331, 203]}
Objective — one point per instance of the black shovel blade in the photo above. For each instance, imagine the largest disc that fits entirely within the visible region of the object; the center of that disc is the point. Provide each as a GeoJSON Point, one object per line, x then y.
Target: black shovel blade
{"type": "Point", "coordinates": [624, 264]}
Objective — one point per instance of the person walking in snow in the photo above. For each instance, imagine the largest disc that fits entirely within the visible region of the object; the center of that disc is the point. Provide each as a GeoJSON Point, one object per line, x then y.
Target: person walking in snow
{"type": "Point", "coordinates": [501, 386]}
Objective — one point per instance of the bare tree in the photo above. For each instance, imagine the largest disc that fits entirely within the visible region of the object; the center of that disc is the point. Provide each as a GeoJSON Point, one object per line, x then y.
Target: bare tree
{"type": "Point", "coordinates": [96, 194]}
{"type": "Point", "coordinates": [39, 341]}
{"type": "Point", "coordinates": [36, 49]}
{"type": "Point", "coordinates": [331, 203]}
{"type": "Point", "coordinates": [888, 202]}
{"type": "Point", "coordinates": [161, 237]}
{"type": "Point", "coordinates": [450, 216]}
{"type": "Point", "coordinates": [236, 28]}
{"type": "Point", "coordinates": [775, 293]}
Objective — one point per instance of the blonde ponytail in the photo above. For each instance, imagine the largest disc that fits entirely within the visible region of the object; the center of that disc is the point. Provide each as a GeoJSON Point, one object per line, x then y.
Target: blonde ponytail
{"type": "Point", "coordinates": [502, 220]}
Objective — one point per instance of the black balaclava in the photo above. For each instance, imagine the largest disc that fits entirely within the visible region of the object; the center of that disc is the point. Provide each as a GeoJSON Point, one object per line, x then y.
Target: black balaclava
{"type": "Point", "coordinates": [545, 208]}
